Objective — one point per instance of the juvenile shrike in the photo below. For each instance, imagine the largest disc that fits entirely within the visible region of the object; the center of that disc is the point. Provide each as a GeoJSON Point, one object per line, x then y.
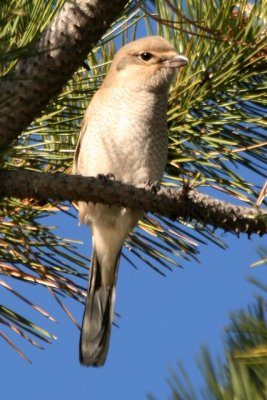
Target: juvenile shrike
{"type": "Point", "coordinates": [124, 133]}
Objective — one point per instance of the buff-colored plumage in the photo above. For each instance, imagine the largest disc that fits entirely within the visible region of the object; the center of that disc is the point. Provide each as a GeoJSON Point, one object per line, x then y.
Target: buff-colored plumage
{"type": "Point", "coordinates": [124, 133]}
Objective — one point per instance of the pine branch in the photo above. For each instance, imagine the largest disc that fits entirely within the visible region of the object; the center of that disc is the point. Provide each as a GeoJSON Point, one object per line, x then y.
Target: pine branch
{"type": "Point", "coordinates": [186, 203]}
{"type": "Point", "coordinates": [53, 59]}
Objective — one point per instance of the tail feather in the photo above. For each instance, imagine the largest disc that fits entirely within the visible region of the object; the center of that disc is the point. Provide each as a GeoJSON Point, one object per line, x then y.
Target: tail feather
{"type": "Point", "coordinates": [97, 319]}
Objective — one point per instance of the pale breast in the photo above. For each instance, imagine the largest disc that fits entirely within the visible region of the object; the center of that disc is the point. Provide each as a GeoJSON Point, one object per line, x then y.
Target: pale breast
{"type": "Point", "coordinates": [126, 136]}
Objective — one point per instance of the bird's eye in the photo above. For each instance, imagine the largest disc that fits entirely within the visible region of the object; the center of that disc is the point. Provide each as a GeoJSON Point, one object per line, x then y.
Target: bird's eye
{"type": "Point", "coordinates": [145, 56]}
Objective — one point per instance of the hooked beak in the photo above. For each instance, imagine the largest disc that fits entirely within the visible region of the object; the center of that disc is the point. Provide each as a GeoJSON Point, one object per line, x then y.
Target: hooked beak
{"type": "Point", "coordinates": [177, 61]}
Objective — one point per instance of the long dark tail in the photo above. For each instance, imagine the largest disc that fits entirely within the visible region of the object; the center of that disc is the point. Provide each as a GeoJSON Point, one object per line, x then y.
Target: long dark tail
{"type": "Point", "coordinates": [97, 318]}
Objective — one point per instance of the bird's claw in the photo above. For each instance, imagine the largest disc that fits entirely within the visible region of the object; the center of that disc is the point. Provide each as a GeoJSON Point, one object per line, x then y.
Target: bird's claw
{"type": "Point", "coordinates": [111, 176]}
{"type": "Point", "coordinates": [153, 186]}
{"type": "Point", "coordinates": [105, 177]}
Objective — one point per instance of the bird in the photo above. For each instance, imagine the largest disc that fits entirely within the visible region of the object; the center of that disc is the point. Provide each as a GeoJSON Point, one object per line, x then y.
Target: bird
{"type": "Point", "coordinates": [123, 135]}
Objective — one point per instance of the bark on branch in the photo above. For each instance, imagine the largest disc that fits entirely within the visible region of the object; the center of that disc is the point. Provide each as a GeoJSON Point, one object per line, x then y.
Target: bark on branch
{"type": "Point", "coordinates": [188, 204]}
{"type": "Point", "coordinates": [51, 62]}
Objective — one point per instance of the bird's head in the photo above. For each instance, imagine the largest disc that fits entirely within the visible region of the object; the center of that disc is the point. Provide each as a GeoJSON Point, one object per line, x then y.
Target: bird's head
{"type": "Point", "coordinates": [149, 63]}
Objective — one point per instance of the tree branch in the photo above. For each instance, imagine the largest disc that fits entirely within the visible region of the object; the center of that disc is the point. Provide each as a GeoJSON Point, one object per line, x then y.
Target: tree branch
{"type": "Point", "coordinates": [187, 204]}
{"type": "Point", "coordinates": [53, 59]}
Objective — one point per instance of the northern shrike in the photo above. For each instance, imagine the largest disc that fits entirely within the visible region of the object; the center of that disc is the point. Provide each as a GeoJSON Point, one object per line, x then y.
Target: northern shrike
{"type": "Point", "coordinates": [124, 133]}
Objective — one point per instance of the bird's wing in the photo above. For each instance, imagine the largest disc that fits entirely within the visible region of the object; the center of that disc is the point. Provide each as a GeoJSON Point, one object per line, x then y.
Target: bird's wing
{"type": "Point", "coordinates": [78, 146]}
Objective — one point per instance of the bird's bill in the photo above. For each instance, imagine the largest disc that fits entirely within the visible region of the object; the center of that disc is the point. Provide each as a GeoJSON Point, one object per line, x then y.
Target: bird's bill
{"type": "Point", "coordinates": [176, 61]}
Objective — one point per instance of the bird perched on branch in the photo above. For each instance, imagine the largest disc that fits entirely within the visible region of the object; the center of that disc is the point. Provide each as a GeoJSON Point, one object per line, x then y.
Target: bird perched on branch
{"type": "Point", "coordinates": [124, 133]}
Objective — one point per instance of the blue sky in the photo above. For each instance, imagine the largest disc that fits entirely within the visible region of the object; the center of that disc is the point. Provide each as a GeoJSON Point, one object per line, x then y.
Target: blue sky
{"type": "Point", "coordinates": [163, 320]}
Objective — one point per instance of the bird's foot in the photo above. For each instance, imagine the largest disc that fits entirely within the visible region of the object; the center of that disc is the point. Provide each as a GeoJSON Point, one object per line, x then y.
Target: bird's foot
{"type": "Point", "coordinates": [105, 177]}
{"type": "Point", "coordinates": [153, 186]}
